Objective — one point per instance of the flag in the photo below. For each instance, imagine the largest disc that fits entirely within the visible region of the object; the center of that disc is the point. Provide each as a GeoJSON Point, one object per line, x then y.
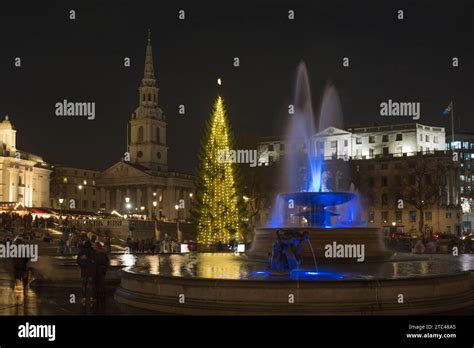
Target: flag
{"type": "Point", "coordinates": [447, 111]}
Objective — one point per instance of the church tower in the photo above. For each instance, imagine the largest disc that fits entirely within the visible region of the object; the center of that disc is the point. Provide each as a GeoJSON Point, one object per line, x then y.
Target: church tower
{"type": "Point", "coordinates": [148, 127]}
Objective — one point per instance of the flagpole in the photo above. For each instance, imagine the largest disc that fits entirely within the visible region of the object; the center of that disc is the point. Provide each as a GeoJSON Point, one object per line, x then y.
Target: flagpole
{"type": "Point", "coordinates": [452, 124]}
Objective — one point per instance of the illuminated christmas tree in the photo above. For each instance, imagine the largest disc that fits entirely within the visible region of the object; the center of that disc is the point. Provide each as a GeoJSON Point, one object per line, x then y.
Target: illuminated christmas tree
{"type": "Point", "coordinates": [217, 211]}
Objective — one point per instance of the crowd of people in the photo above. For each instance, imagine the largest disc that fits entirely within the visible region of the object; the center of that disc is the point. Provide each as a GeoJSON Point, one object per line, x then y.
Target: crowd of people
{"type": "Point", "coordinates": [431, 244]}
{"type": "Point", "coordinates": [149, 245]}
{"type": "Point", "coordinates": [93, 262]}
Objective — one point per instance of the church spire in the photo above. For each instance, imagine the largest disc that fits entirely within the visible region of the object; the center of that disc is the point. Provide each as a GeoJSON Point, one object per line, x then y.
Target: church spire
{"type": "Point", "coordinates": [149, 73]}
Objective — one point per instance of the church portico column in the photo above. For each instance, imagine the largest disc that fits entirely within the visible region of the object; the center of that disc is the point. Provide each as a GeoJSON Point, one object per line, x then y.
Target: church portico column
{"type": "Point", "coordinates": [119, 203]}
{"type": "Point", "coordinates": [139, 197]}
{"type": "Point", "coordinates": [107, 200]}
{"type": "Point", "coordinates": [149, 202]}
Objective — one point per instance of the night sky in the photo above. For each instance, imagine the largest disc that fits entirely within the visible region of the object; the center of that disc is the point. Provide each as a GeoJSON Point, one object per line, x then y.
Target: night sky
{"type": "Point", "coordinates": [82, 60]}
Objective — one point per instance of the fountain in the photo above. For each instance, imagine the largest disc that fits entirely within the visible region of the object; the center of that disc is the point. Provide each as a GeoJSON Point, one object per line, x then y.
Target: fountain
{"type": "Point", "coordinates": [287, 270]}
{"type": "Point", "coordinates": [311, 206]}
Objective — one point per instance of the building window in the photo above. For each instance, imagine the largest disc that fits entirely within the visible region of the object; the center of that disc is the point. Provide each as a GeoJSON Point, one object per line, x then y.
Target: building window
{"type": "Point", "coordinates": [358, 140]}
{"type": "Point", "coordinates": [139, 154]}
{"type": "Point", "coordinates": [398, 215]}
{"type": "Point", "coordinates": [385, 151]}
{"type": "Point", "coordinates": [157, 135]}
{"type": "Point", "coordinates": [428, 215]}
{"type": "Point", "coordinates": [412, 216]}
{"type": "Point", "coordinates": [84, 204]}
{"type": "Point", "coordinates": [398, 180]}
{"type": "Point", "coordinates": [371, 152]}
{"type": "Point", "coordinates": [384, 181]}
{"type": "Point", "coordinates": [93, 192]}
{"type": "Point", "coordinates": [270, 147]}
{"type": "Point", "coordinates": [435, 140]}
{"type": "Point", "coordinates": [428, 179]}
{"type": "Point", "coordinates": [371, 139]}
{"type": "Point", "coordinates": [371, 216]}
{"type": "Point", "coordinates": [94, 205]}
{"type": "Point", "coordinates": [421, 137]}
{"type": "Point", "coordinates": [140, 134]}
{"type": "Point", "coordinates": [346, 143]}
{"type": "Point", "coordinates": [384, 199]}
{"type": "Point", "coordinates": [385, 216]}
{"type": "Point", "coordinates": [371, 182]}
{"type": "Point", "coordinates": [334, 144]}
{"type": "Point", "coordinates": [65, 180]}
{"type": "Point", "coordinates": [448, 215]}
{"type": "Point", "coordinates": [149, 96]}
{"type": "Point", "coordinates": [384, 166]}
{"type": "Point", "coordinates": [158, 155]}
{"type": "Point", "coordinates": [399, 137]}
{"type": "Point", "coordinates": [427, 138]}
{"type": "Point", "coordinates": [385, 138]}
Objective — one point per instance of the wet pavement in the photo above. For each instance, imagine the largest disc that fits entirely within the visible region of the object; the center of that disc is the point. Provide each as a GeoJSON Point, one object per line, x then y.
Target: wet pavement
{"type": "Point", "coordinates": [54, 300]}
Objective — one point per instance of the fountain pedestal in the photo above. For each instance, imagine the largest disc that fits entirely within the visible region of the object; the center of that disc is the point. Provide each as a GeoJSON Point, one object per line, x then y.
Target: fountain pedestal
{"type": "Point", "coordinates": [370, 237]}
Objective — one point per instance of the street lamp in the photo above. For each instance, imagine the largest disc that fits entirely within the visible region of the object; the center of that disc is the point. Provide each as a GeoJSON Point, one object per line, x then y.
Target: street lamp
{"type": "Point", "coordinates": [155, 203]}
{"type": "Point", "coordinates": [61, 200]}
{"type": "Point", "coordinates": [128, 206]}
{"type": "Point", "coordinates": [178, 232]}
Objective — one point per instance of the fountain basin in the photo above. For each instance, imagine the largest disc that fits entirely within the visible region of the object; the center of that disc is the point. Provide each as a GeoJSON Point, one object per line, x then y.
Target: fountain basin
{"type": "Point", "coordinates": [225, 284]}
{"type": "Point", "coordinates": [370, 237]}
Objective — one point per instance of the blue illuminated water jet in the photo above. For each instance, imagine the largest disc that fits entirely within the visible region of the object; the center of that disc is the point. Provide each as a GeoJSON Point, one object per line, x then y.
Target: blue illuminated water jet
{"type": "Point", "coordinates": [311, 201]}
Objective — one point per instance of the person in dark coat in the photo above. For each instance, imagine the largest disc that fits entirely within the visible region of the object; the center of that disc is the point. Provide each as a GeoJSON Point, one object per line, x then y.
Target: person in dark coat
{"type": "Point", "coordinates": [85, 260]}
{"type": "Point", "coordinates": [101, 261]}
{"type": "Point", "coordinates": [20, 268]}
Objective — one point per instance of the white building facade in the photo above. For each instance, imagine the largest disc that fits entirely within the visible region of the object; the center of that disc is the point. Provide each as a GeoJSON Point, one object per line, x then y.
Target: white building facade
{"type": "Point", "coordinates": [24, 177]}
{"type": "Point", "coordinates": [364, 142]}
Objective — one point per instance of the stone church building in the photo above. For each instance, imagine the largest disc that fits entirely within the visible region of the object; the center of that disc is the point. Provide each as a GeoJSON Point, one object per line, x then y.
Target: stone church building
{"type": "Point", "coordinates": [141, 181]}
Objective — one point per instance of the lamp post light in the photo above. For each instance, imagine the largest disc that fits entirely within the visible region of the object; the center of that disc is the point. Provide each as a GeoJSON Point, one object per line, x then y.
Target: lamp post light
{"type": "Point", "coordinates": [61, 200]}
{"type": "Point", "coordinates": [155, 204]}
{"type": "Point", "coordinates": [178, 232]}
{"type": "Point", "coordinates": [128, 206]}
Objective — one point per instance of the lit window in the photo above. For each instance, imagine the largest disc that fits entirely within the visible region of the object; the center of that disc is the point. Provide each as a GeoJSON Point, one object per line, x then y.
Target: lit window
{"type": "Point", "coordinates": [65, 180]}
